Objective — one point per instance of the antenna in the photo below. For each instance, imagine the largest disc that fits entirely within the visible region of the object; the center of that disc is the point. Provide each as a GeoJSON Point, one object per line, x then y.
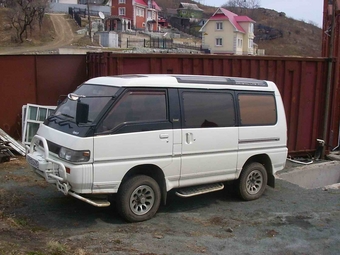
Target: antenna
{"type": "Point", "coordinates": [101, 15]}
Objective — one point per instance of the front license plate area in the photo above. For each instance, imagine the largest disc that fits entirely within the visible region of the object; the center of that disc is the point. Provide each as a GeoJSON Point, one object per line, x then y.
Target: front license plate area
{"type": "Point", "coordinates": [33, 162]}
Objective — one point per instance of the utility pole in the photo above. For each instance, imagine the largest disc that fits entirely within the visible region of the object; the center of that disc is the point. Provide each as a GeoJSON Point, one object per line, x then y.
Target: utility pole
{"type": "Point", "coordinates": [89, 18]}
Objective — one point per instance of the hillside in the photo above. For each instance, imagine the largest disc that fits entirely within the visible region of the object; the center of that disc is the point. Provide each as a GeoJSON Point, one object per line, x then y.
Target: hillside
{"type": "Point", "coordinates": [277, 34]}
{"type": "Point", "coordinates": [281, 35]}
{"type": "Point", "coordinates": [274, 31]}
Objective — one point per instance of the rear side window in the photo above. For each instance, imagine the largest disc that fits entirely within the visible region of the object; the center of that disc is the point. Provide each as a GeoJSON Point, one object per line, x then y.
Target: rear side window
{"type": "Point", "coordinates": [141, 106]}
{"type": "Point", "coordinates": [208, 109]}
{"type": "Point", "coordinates": [257, 109]}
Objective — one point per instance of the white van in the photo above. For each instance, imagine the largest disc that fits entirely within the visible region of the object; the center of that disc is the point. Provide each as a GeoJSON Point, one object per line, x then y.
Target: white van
{"type": "Point", "coordinates": [140, 136]}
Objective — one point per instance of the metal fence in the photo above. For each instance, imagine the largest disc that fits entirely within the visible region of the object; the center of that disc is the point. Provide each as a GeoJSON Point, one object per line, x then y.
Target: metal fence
{"type": "Point", "coordinates": [159, 43]}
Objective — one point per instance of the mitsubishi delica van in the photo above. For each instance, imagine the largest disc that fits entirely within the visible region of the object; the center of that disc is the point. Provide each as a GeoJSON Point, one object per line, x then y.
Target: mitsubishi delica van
{"type": "Point", "coordinates": [136, 137]}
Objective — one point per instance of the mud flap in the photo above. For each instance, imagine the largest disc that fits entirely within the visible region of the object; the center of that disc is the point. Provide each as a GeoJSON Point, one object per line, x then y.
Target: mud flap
{"type": "Point", "coordinates": [271, 180]}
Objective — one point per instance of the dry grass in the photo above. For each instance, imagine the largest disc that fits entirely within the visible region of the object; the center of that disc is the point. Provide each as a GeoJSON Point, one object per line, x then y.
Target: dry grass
{"type": "Point", "coordinates": [36, 36]}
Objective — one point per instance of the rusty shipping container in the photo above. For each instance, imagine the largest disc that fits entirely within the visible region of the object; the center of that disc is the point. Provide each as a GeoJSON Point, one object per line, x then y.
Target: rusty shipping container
{"type": "Point", "coordinates": [41, 79]}
{"type": "Point", "coordinates": [301, 82]}
{"type": "Point", "coordinates": [35, 79]}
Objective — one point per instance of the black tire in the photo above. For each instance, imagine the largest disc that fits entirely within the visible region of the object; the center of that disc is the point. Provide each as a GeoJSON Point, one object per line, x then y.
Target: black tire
{"type": "Point", "coordinates": [138, 198]}
{"type": "Point", "coordinates": [252, 182]}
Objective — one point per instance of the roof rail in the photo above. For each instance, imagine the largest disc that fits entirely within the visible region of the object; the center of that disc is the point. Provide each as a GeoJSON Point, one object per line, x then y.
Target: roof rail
{"type": "Point", "coordinates": [221, 80]}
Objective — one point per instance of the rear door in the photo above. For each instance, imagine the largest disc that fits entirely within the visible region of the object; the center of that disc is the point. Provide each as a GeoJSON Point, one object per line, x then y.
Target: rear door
{"type": "Point", "coordinates": [261, 131]}
{"type": "Point", "coordinates": [209, 136]}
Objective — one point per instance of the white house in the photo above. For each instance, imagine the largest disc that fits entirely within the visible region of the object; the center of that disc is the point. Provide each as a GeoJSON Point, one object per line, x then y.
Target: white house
{"type": "Point", "coordinates": [227, 33]}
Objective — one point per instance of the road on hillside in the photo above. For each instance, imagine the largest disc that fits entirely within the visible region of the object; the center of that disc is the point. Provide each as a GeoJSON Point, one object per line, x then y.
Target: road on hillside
{"type": "Point", "coordinates": [64, 36]}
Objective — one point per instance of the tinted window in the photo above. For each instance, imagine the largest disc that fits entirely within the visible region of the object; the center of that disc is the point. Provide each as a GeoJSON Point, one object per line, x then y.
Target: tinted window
{"type": "Point", "coordinates": [98, 98]}
{"type": "Point", "coordinates": [208, 109]}
{"type": "Point", "coordinates": [257, 109]}
{"type": "Point", "coordinates": [142, 106]}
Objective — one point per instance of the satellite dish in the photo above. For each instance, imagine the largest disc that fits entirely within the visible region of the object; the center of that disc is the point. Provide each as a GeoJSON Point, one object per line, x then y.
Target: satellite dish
{"type": "Point", "coordinates": [101, 15]}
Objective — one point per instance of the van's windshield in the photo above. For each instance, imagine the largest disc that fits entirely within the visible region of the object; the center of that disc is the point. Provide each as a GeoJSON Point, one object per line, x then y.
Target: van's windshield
{"type": "Point", "coordinates": [98, 97]}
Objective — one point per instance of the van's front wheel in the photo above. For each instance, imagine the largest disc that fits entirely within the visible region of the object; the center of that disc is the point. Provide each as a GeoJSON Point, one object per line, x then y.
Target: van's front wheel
{"type": "Point", "coordinates": [138, 198]}
{"type": "Point", "coordinates": [253, 181]}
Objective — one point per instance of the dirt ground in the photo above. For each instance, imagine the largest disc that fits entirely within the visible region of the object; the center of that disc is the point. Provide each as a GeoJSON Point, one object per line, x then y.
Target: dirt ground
{"type": "Point", "coordinates": [36, 219]}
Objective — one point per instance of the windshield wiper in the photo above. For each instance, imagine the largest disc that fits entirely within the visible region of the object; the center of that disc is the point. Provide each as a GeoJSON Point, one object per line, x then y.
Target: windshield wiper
{"type": "Point", "coordinates": [67, 115]}
{"type": "Point", "coordinates": [51, 117]}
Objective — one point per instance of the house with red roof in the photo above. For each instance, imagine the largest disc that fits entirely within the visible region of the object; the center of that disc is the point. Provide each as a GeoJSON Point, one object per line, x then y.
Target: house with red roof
{"type": "Point", "coordinates": [136, 14]}
{"type": "Point", "coordinates": [227, 33]}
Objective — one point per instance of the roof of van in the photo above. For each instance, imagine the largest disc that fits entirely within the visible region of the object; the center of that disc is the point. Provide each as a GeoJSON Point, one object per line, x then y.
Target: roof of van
{"type": "Point", "coordinates": [183, 81]}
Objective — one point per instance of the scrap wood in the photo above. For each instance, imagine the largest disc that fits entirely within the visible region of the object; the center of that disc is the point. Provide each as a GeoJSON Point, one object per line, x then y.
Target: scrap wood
{"type": "Point", "coordinates": [12, 143]}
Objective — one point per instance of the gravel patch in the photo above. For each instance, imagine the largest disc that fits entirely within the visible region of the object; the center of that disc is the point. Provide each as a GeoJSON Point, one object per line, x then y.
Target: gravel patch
{"type": "Point", "coordinates": [35, 217]}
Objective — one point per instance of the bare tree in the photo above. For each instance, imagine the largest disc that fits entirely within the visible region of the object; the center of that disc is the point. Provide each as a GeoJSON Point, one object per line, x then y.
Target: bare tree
{"type": "Point", "coordinates": [242, 6]}
{"type": "Point", "coordinates": [253, 4]}
{"type": "Point", "coordinates": [23, 13]}
{"type": "Point", "coordinates": [43, 6]}
{"type": "Point", "coordinates": [249, 4]}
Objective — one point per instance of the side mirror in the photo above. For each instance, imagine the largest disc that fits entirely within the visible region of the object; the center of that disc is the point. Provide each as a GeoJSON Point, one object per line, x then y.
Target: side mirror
{"type": "Point", "coordinates": [82, 113]}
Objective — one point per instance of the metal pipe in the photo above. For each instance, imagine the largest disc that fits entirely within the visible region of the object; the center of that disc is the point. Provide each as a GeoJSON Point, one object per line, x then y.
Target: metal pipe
{"type": "Point", "coordinates": [329, 78]}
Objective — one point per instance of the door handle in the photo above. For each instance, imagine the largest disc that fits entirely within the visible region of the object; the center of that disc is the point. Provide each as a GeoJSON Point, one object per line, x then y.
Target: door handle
{"type": "Point", "coordinates": [163, 136]}
{"type": "Point", "coordinates": [189, 138]}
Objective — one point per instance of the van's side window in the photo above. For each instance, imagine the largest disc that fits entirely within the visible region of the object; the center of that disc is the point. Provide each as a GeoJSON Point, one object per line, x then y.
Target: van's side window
{"type": "Point", "coordinates": [257, 109]}
{"type": "Point", "coordinates": [208, 109]}
{"type": "Point", "coordinates": [143, 106]}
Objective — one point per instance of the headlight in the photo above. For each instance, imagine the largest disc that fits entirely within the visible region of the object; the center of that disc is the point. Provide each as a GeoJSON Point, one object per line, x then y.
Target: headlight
{"type": "Point", "coordinates": [74, 156]}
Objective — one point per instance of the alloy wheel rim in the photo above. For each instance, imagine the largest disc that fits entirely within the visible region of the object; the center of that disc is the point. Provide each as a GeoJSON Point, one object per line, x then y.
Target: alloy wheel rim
{"type": "Point", "coordinates": [254, 182]}
{"type": "Point", "coordinates": [142, 200]}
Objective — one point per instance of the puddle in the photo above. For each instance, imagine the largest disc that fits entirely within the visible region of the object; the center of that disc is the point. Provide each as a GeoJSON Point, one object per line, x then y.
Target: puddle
{"type": "Point", "coordinates": [313, 176]}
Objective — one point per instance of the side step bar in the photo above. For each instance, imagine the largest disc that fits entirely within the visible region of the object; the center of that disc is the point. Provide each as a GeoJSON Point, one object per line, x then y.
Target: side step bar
{"type": "Point", "coordinates": [95, 202]}
{"type": "Point", "coordinates": [198, 190]}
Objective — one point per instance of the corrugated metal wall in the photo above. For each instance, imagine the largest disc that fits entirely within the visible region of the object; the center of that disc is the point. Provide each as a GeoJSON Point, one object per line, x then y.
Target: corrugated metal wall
{"type": "Point", "coordinates": [36, 79]}
{"type": "Point", "coordinates": [41, 79]}
{"type": "Point", "coordinates": [301, 81]}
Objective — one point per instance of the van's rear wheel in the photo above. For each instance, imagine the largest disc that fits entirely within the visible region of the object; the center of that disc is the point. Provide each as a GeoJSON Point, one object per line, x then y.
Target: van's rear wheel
{"type": "Point", "coordinates": [253, 181]}
{"type": "Point", "coordinates": [138, 198]}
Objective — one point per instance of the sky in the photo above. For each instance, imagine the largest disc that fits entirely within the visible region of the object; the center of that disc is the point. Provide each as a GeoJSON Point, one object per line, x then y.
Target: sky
{"type": "Point", "coordinates": [307, 10]}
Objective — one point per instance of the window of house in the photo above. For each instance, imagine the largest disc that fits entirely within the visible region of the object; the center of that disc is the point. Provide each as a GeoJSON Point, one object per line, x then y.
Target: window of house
{"type": "Point", "coordinates": [140, 12]}
{"type": "Point", "coordinates": [219, 42]}
{"type": "Point", "coordinates": [149, 14]}
{"type": "Point", "coordinates": [219, 25]}
{"type": "Point", "coordinates": [121, 11]}
{"type": "Point", "coordinates": [251, 28]}
{"type": "Point", "coordinates": [141, 106]}
{"type": "Point", "coordinates": [121, 2]}
{"type": "Point", "coordinates": [257, 109]}
{"type": "Point", "coordinates": [208, 109]}
{"type": "Point", "coordinates": [251, 43]}
{"type": "Point", "coordinates": [239, 43]}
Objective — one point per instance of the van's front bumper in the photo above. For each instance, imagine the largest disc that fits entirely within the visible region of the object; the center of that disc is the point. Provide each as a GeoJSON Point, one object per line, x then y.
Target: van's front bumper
{"type": "Point", "coordinates": [39, 160]}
